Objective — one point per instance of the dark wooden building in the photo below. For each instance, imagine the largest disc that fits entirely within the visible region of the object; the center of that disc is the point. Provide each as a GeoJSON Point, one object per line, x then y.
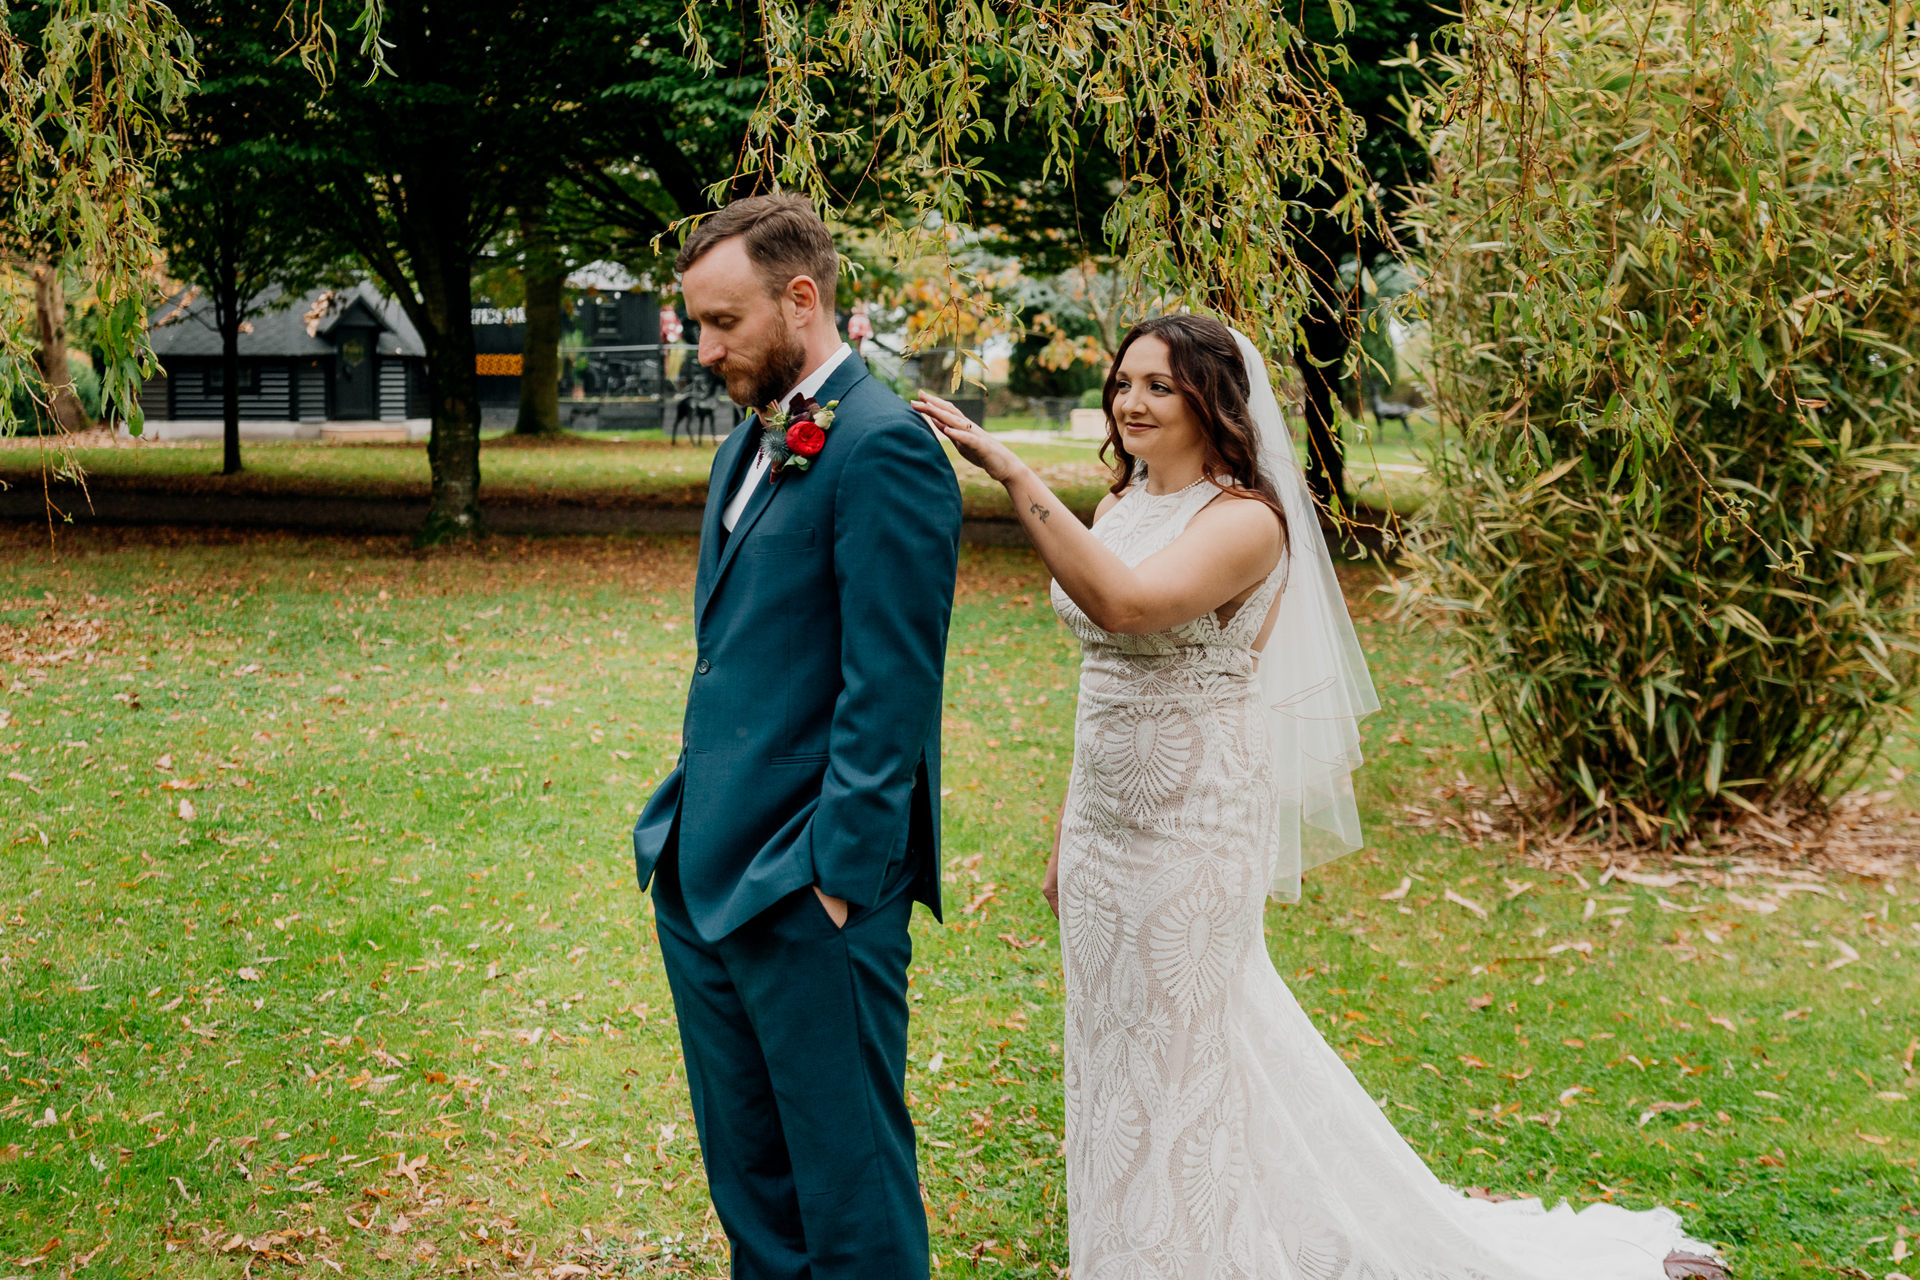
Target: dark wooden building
{"type": "Point", "coordinates": [325, 356]}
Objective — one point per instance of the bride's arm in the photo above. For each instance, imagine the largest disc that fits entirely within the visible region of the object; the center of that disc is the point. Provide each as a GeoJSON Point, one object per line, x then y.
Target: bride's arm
{"type": "Point", "coordinates": [1238, 546]}
{"type": "Point", "coordinates": [1050, 883]}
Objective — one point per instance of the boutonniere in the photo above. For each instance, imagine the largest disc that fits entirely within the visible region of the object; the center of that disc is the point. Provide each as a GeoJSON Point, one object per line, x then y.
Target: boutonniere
{"type": "Point", "coordinates": [794, 436]}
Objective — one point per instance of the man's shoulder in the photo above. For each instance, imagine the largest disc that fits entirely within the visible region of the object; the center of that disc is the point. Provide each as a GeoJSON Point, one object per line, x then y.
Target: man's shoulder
{"type": "Point", "coordinates": [873, 402]}
{"type": "Point", "coordinates": [870, 406]}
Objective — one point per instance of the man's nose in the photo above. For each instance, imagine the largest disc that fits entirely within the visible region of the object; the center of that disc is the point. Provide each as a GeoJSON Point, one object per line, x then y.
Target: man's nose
{"type": "Point", "coordinates": [711, 353]}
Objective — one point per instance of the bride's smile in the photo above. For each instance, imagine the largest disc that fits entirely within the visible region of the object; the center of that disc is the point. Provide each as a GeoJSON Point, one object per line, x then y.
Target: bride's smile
{"type": "Point", "coordinates": [1156, 424]}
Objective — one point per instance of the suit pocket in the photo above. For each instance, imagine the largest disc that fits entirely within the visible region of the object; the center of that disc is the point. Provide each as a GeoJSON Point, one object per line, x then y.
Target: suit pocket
{"type": "Point", "coordinates": [785, 542]}
{"type": "Point", "coordinates": [809, 757]}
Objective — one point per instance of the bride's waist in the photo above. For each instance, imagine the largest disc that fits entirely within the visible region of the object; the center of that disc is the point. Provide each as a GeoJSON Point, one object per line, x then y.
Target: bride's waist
{"type": "Point", "coordinates": [1131, 684]}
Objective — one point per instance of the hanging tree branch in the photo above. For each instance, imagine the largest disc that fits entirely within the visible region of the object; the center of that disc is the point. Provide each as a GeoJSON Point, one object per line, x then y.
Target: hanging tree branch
{"type": "Point", "coordinates": [1241, 122]}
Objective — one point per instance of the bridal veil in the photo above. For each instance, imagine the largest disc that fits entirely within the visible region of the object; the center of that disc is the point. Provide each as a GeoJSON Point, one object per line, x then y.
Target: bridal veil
{"type": "Point", "coordinates": [1313, 676]}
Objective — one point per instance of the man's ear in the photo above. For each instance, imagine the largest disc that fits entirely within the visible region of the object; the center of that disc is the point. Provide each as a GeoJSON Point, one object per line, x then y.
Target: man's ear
{"type": "Point", "coordinates": [803, 295]}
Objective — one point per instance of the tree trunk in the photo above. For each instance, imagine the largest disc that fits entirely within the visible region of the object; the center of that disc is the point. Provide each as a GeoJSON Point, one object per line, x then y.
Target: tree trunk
{"type": "Point", "coordinates": [453, 451]}
{"type": "Point", "coordinates": [226, 317]}
{"type": "Point", "coordinates": [50, 306]}
{"type": "Point", "coordinates": [544, 276]}
{"type": "Point", "coordinates": [1319, 360]}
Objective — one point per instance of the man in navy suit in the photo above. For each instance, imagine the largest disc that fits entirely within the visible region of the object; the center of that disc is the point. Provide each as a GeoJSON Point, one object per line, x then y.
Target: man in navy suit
{"type": "Point", "coordinates": [802, 821]}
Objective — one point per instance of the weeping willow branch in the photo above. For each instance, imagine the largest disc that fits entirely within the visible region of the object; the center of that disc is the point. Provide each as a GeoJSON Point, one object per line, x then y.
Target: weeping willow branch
{"type": "Point", "coordinates": [85, 86]}
{"type": "Point", "coordinates": [1216, 110]}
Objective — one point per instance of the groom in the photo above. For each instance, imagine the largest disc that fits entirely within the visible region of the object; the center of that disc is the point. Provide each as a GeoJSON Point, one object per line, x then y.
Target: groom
{"type": "Point", "coordinates": [790, 842]}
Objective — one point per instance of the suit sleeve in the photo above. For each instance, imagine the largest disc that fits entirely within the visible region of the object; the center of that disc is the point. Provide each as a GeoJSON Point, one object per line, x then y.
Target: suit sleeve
{"type": "Point", "coordinates": [896, 546]}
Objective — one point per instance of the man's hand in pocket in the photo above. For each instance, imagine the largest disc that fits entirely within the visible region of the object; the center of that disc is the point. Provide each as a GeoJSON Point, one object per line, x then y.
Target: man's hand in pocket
{"type": "Point", "coordinates": [836, 908]}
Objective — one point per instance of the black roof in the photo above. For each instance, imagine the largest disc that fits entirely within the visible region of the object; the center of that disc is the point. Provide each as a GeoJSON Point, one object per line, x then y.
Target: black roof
{"type": "Point", "coordinates": [183, 324]}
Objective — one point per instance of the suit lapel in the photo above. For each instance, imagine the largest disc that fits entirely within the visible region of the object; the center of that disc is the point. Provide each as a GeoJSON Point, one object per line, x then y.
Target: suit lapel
{"type": "Point", "coordinates": [763, 492]}
{"type": "Point", "coordinates": [728, 470]}
{"type": "Point", "coordinates": [842, 380]}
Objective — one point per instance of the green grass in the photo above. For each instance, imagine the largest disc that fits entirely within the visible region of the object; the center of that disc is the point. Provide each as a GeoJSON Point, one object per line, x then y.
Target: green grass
{"type": "Point", "coordinates": [598, 467]}
{"type": "Point", "coordinates": [389, 1001]}
{"type": "Point", "coordinates": [577, 467]}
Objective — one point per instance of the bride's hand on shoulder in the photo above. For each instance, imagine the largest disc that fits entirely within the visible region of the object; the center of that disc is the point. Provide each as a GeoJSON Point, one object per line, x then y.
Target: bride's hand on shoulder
{"type": "Point", "coordinates": [974, 443]}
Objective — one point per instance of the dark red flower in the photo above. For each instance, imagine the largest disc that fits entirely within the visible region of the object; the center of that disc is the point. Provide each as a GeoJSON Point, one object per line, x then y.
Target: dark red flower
{"type": "Point", "coordinates": [806, 438]}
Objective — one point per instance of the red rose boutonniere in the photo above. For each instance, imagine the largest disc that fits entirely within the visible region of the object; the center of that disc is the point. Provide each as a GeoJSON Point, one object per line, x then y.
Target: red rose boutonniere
{"type": "Point", "coordinates": [794, 436]}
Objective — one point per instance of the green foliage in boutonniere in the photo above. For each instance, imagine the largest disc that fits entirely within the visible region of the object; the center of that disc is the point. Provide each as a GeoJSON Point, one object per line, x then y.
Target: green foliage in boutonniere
{"type": "Point", "coordinates": [794, 436]}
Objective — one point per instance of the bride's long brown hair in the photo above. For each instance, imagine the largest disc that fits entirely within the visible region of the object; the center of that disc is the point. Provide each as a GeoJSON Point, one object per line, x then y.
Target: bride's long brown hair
{"type": "Point", "coordinates": [1211, 376]}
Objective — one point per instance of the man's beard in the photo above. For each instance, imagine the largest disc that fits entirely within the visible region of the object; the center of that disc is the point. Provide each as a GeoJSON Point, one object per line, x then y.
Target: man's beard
{"type": "Point", "coordinates": [775, 376]}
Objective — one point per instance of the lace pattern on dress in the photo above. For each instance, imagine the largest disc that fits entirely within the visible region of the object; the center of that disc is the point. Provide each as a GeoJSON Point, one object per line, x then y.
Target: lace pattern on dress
{"type": "Point", "coordinates": [1212, 1134]}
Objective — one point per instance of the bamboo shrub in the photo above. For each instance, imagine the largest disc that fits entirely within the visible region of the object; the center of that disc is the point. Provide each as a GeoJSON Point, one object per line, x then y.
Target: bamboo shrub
{"type": "Point", "coordinates": [1670, 250]}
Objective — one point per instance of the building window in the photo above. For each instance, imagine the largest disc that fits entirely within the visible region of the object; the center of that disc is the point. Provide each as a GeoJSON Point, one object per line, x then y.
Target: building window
{"type": "Point", "coordinates": [217, 382]}
{"type": "Point", "coordinates": [606, 318]}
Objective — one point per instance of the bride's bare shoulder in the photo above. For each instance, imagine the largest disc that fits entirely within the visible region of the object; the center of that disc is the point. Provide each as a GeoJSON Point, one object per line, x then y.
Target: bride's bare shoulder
{"type": "Point", "coordinates": [1241, 519]}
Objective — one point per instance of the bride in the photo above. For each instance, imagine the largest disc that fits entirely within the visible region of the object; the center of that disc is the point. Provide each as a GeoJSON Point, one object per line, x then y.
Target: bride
{"type": "Point", "coordinates": [1211, 1132]}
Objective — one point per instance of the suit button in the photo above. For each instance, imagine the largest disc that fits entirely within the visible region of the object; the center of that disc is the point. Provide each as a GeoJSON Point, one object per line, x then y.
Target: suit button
{"type": "Point", "coordinates": [701, 667]}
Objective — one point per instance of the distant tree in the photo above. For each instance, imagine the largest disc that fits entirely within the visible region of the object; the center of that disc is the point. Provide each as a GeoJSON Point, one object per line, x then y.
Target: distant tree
{"type": "Point", "coordinates": [231, 216]}
{"type": "Point", "coordinates": [660, 133]}
{"type": "Point", "coordinates": [415, 172]}
{"type": "Point", "coordinates": [1378, 31]}
{"type": "Point", "coordinates": [491, 109]}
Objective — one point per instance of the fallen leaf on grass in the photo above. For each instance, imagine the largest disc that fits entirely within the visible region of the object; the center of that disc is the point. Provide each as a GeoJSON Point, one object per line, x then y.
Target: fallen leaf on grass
{"type": "Point", "coordinates": [1481, 1001]}
{"type": "Point", "coordinates": [187, 811]}
{"type": "Point", "coordinates": [1764, 906]}
{"type": "Point", "coordinates": [1656, 1108]}
{"type": "Point", "coordinates": [1666, 880]}
{"type": "Point", "coordinates": [1874, 1138]}
{"type": "Point", "coordinates": [1720, 1020]}
{"type": "Point", "coordinates": [408, 1169]}
{"type": "Point", "coordinates": [247, 974]}
{"type": "Point", "coordinates": [1394, 895]}
{"type": "Point", "coordinates": [1692, 1266]}
{"type": "Point", "coordinates": [1847, 955]}
{"type": "Point", "coordinates": [1468, 903]}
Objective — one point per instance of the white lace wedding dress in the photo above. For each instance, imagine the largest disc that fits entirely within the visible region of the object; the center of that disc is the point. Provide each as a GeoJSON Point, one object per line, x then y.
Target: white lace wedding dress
{"type": "Point", "coordinates": [1211, 1132]}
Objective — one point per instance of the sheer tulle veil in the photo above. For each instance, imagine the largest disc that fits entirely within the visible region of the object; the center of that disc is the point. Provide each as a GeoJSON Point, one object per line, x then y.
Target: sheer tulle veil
{"type": "Point", "coordinates": [1313, 676]}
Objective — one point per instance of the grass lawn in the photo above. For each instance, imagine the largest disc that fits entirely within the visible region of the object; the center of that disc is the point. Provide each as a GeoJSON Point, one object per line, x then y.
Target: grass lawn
{"type": "Point", "coordinates": [575, 468]}
{"type": "Point", "coordinates": [596, 468]}
{"type": "Point", "coordinates": [322, 953]}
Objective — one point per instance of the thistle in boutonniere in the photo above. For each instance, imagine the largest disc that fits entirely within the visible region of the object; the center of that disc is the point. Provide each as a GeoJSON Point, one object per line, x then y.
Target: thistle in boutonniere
{"type": "Point", "coordinates": [794, 436]}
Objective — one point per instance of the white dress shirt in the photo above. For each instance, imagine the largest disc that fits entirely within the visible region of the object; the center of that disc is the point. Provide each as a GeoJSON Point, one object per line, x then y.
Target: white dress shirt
{"type": "Point", "coordinates": [757, 470]}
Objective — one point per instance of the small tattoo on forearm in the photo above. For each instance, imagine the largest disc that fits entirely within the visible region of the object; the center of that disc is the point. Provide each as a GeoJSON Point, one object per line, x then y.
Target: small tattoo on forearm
{"type": "Point", "coordinates": [1040, 511]}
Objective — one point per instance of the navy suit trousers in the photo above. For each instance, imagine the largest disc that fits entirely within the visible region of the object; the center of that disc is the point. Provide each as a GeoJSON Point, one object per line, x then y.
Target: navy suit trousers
{"type": "Point", "coordinates": [795, 1035]}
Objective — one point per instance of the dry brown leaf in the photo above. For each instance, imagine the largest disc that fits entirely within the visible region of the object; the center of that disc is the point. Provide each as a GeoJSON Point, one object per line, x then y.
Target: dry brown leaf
{"type": "Point", "coordinates": [1692, 1266]}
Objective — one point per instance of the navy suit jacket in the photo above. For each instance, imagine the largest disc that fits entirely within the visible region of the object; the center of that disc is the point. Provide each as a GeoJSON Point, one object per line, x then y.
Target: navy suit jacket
{"type": "Point", "coordinates": [811, 749]}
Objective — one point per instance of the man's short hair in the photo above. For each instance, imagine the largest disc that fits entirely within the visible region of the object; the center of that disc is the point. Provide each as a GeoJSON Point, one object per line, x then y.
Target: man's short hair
{"type": "Point", "coordinates": [783, 237]}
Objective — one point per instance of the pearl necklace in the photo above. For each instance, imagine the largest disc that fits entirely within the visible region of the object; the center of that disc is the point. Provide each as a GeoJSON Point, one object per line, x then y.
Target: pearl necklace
{"type": "Point", "coordinates": [1162, 497]}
